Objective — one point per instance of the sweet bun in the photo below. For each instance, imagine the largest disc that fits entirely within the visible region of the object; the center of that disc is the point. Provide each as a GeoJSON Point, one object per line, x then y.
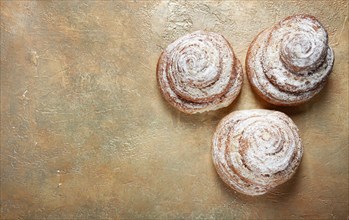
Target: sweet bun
{"type": "Point", "coordinates": [256, 150]}
{"type": "Point", "coordinates": [289, 63]}
{"type": "Point", "coordinates": [199, 72]}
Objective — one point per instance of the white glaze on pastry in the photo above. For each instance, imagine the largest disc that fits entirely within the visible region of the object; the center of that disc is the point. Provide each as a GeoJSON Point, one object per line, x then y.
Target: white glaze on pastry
{"type": "Point", "coordinates": [256, 150]}
{"type": "Point", "coordinates": [199, 72]}
{"type": "Point", "coordinates": [290, 62]}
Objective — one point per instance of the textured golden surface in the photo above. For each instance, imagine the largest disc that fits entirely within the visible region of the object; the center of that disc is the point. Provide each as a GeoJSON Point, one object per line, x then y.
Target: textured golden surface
{"type": "Point", "coordinates": [85, 132]}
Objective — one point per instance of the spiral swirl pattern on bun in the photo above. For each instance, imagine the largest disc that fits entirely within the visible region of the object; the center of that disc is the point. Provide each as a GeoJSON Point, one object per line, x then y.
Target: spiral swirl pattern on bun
{"type": "Point", "coordinates": [199, 72]}
{"type": "Point", "coordinates": [290, 62]}
{"type": "Point", "coordinates": [256, 150]}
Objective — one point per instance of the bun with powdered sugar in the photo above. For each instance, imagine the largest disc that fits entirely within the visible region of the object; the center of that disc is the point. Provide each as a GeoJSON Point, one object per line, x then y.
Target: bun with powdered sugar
{"type": "Point", "coordinates": [256, 150]}
{"type": "Point", "coordinates": [199, 72]}
{"type": "Point", "coordinates": [289, 63]}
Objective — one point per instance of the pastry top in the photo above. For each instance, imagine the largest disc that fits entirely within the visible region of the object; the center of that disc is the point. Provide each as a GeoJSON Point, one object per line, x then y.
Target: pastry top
{"type": "Point", "coordinates": [199, 72]}
{"type": "Point", "coordinates": [290, 62]}
{"type": "Point", "coordinates": [256, 150]}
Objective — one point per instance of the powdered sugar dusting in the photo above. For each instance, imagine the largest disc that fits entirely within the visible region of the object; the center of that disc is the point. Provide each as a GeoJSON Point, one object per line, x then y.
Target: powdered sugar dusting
{"type": "Point", "coordinates": [199, 72]}
{"type": "Point", "coordinates": [290, 62]}
{"type": "Point", "coordinates": [256, 150]}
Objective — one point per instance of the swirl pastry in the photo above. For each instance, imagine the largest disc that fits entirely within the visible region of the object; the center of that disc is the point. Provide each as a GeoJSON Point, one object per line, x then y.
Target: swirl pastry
{"type": "Point", "coordinates": [199, 72]}
{"type": "Point", "coordinates": [256, 150]}
{"type": "Point", "coordinates": [289, 63]}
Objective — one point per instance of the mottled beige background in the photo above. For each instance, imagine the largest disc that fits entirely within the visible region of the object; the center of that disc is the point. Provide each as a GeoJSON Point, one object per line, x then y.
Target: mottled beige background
{"type": "Point", "coordinates": [85, 133]}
